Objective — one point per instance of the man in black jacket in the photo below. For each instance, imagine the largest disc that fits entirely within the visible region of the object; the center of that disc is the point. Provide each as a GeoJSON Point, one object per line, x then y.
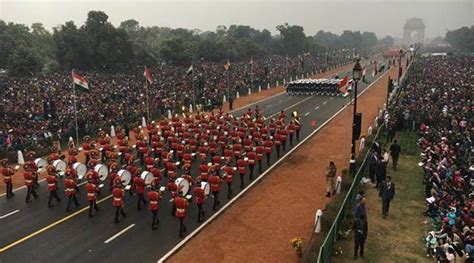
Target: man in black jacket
{"type": "Point", "coordinates": [395, 150]}
{"type": "Point", "coordinates": [387, 192]}
{"type": "Point", "coordinates": [360, 228]}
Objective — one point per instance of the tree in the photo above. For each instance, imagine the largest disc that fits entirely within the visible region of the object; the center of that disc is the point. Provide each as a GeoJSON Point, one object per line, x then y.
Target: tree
{"type": "Point", "coordinates": [23, 61]}
{"type": "Point", "coordinates": [462, 38]}
{"type": "Point", "coordinates": [293, 39]}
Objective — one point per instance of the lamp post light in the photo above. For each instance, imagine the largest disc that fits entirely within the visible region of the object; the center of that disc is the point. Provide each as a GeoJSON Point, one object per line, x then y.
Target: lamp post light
{"type": "Point", "coordinates": [356, 75]}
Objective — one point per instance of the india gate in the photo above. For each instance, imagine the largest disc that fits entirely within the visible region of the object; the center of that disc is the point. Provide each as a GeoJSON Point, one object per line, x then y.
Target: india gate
{"type": "Point", "coordinates": [413, 31]}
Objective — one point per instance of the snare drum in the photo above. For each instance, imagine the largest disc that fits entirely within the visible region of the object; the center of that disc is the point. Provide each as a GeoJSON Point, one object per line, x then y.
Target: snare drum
{"type": "Point", "coordinates": [41, 164]}
{"type": "Point", "coordinates": [60, 166]}
{"type": "Point", "coordinates": [206, 187]}
{"type": "Point", "coordinates": [183, 186]}
{"type": "Point", "coordinates": [102, 170]}
{"type": "Point", "coordinates": [125, 176]}
{"type": "Point", "coordinates": [147, 176]}
{"type": "Point", "coordinates": [81, 169]}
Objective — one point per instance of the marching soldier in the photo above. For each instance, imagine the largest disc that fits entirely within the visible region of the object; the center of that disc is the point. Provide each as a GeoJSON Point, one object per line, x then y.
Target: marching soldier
{"type": "Point", "coordinates": [86, 147]}
{"type": "Point", "coordinates": [52, 181]}
{"type": "Point", "coordinates": [70, 184]}
{"type": "Point", "coordinates": [214, 180]}
{"type": "Point", "coordinates": [92, 189]}
{"type": "Point", "coordinates": [117, 202]}
{"type": "Point", "coordinates": [277, 138]}
{"type": "Point", "coordinates": [283, 137]}
{"type": "Point", "coordinates": [251, 162]}
{"type": "Point", "coordinates": [291, 131]}
{"type": "Point", "coordinates": [260, 150]}
{"type": "Point", "coordinates": [173, 188]}
{"type": "Point", "coordinates": [229, 174]}
{"type": "Point", "coordinates": [28, 175]}
{"type": "Point", "coordinates": [297, 127]}
{"type": "Point", "coordinates": [181, 204]}
{"type": "Point", "coordinates": [93, 177]}
{"type": "Point", "coordinates": [154, 198]}
{"type": "Point", "coordinates": [241, 164]}
{"type": "Point", "coordinates": [268, 149]}
{"type": "Point", "coordinates": [7, 173]}
{"type": "Point", "coordinates": [200, 197]}
{"type": "Point", "coordinates": [139, 184]}
{"type": "Point", "coordinates": [33, 168]}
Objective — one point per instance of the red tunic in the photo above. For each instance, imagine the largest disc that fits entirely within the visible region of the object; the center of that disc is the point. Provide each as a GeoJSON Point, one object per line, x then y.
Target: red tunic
{"type": "Point", "coordinates": [214, 181]}
{"type": "Point", "coordinates": [229, 173]}
{"type": "Point", "coordinates": [7, 175]}
{"type": "Point", "coordinates": [91, 190]}
{"type": "Point", "coordinates": [118, 195]}
{"type": "Point", "coordinates": [70, 185]}
{"type": "Point", "coordinates": [199, 195]}
{"type": "Point", "coordinates": [252, 157]}
{"type": "Point", "coordinates": [28, 178]}
{"type": "Point", "coordinates": [241, 165]}
{"type": "Point", "coordinates": [139, 184]}
{"type": "Point", "coordinates": [52, 182]}
{"type": "Point", "coordinates": [181, 205]}
{"type": "Point", "coordinates": [154, 200]}
{"type": "Point", "coordinates": [268, 146]}
{"type": "Point", "coordinates": [260, 150]}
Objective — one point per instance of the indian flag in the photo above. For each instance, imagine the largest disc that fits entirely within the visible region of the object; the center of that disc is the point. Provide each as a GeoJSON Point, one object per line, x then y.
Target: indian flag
{"type": "Point", "coordinates": [80, 82]}
{"type": "Point", "coordinates": [148, 76]}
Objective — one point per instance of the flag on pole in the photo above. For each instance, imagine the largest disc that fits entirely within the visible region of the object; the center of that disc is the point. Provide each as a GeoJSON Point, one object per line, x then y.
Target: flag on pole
{"type": "Point", "coordinates": [190, 70]}
{"type": "Point", "coordinates": [251, 61]}
{"type": "Point", "coordinates": [80, 81]}
{"type": "Point", "coordinates": [147, 75]}
{"type": "Point", "coordinates": [227, 65]}
{"type": "Point", "coordinates": [343, 85]}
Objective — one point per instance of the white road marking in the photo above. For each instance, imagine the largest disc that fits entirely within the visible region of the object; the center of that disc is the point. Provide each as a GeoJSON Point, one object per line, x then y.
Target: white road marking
{"type": "Point", "coordinates": [325, 102]}
{"type": "Point", "coordinates": [331, 98]}
{"type": "Point", "coordinates": [269, 169]}
{"type": "Point", "coordinates": [317, 107]}
{"type": "Point", "coordinates": [289, 107]}
{"type": "Point", "coordinates": [306, 114]}
{"type": "Point", "coordinates": [9, 214]}
{"type": "Point", "coordinates": [119, 233]}
{"type": "Point", "coordinates": [269, 105]}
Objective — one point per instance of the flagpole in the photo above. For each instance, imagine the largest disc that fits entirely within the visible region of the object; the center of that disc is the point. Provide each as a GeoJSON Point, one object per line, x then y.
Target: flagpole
{"type": "Point", "coordinates": [147, 103]}
{"type": "Point", "coordinates": [75, 112]}
{"type": "Point", "coordinates": [251, 72]}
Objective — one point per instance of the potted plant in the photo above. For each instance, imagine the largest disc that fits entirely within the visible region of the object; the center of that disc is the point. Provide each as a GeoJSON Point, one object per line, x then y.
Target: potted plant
{"type": "Point", "coordinates": [297, 244]}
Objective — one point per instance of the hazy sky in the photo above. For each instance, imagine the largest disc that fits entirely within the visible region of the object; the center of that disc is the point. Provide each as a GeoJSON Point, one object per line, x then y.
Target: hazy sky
{"type": "Point", "coordinates": [384, 17]}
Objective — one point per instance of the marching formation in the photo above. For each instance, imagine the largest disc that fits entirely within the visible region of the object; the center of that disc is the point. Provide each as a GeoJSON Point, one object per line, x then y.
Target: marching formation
{"type": "Point", "coordinates": [185, 160]}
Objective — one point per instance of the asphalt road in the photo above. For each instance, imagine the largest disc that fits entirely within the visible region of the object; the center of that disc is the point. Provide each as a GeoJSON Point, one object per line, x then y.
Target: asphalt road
{"type": "Point", "coordinates": [33, 232]}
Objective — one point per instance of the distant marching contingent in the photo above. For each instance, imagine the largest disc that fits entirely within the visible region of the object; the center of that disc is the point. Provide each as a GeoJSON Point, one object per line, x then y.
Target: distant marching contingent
{"type": "Point", "coordinates": [219, 144]}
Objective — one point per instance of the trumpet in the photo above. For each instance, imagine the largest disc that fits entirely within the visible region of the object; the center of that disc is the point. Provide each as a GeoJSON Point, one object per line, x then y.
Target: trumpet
{"type": "Point", "coordinates": [296, 117]}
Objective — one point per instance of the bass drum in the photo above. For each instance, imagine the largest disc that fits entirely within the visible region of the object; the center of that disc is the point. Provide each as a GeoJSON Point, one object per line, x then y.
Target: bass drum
{"type": "Point", "coordinates": [102, 171]}
{"type": "Point", "coordinates": [148, 177]}
{"type": "Point", "coordinates": [41, 164]}
{"type": "Point", "coordinates": [60, 166]}
{"type": "Point", "coordinates": [207, 188]}
{"type": "Point", "coordinates": [125, 176]}
{"type": "Point", "coordinates": [81, 170]}
{"type": "Point", "coordinates": [183, 186]}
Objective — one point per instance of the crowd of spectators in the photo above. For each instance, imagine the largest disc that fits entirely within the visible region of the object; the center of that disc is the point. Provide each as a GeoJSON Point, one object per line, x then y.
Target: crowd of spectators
{"type": "Point", "coordinates": [34, 108]}
{"type": "Point", "coordinates": [438, 100]}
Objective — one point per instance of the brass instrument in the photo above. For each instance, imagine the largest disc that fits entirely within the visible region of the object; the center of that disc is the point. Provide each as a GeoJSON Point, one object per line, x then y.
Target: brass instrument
{"type": "Point", "coordinates": [296, 117]}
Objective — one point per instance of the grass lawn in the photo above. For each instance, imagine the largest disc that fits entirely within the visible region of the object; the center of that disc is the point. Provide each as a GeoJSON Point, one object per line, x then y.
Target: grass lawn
{"type": "Point", "coordinates": [399, 237]}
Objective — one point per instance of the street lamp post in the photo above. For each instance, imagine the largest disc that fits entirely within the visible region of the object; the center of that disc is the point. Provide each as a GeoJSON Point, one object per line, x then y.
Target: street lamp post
{"type": "Point", "coordinates": [356, 74]}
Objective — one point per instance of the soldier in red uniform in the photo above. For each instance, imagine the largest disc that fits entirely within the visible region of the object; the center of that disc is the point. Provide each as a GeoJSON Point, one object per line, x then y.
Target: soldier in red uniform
{"type": "Point", "coordinates": [297, 127]}
{"type": "Point", "coordinates": [52, 181]}
{"type": "Point", "coordinates": [291, 131]}
{"type": "Point", "coordinates": [252, 157]}
{"type": "Point", "coordinates": [28, 175]}
{"type": "Point", "coordinates": [7, 173]}
{"type": "Point", "coordinates": [277, 139]}
{"type": "Point", "coordinates": [113, 167]}
{"type": "Point", "coordinates": [204, 172]}
{"type": "Point", "coordinates": [259, 150]}
{"type": "Point", "coordinates": [268, 149]}
{"type": "Point", "coordinates": [118, 194]}
{"type": "Point", "coordinates": [139, 184]}
{"type": "Point", "coordinates": [214, 181]}
{"type": "Point", "coordinates": [92, 189]}
{"type": "Point", "coordinates": [241, 164]}
{"type": "Point", "coordinates": [173, 188]}
{"type": "Point", "coordinates": [200, 197]}
{"type": "Point", "coordinates": [181, 204]}
{"type": "Point", "coordinates": [283, 137]}
{"type": "Point", "coordinates": [33, 168]}
{"type": "Point", "coordinates": [70, 184]}
{"type": "Point", "coordinates": [229, 176]}
{"type": "Point", "coordinates": [154, 198]}
{"type": "Point", "coordinates": [86, 147]}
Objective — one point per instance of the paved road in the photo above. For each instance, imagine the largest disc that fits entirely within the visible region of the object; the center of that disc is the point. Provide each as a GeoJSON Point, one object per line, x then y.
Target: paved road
{"type": "Point", "coordinates": [34, 232]}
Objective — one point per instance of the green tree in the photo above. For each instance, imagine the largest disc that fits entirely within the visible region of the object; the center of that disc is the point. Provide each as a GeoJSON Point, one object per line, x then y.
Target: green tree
{"type": "Point", "coordinates": [24, 61]}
